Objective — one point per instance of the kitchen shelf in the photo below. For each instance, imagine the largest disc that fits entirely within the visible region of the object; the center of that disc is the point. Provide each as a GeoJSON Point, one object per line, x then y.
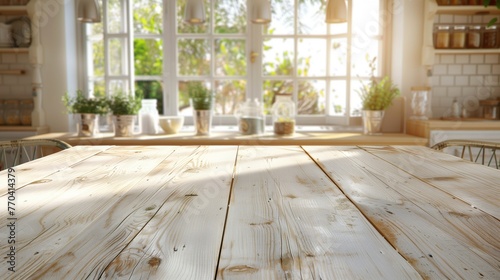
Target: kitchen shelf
{"type": "Point", "coordinates": [14, 50]}
{"type": "Point", "coordinates": [471, 10]}
{"type": "Point", "coordinates": [13, 10]}
{"type": "Point", "coordinates": [12, 72]}
{"type": "Point", "coordinates": [432, 9]}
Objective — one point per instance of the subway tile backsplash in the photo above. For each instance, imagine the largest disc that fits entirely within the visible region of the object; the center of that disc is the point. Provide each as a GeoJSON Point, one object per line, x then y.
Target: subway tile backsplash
{"type": "Point", "coordinates": [15, 86]}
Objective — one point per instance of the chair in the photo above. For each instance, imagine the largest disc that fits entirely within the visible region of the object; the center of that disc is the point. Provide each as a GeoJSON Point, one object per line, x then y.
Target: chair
{"type": "Point", "coordinates": [476, 151]}
{"type": "Point", "coordinates": [15, 152]}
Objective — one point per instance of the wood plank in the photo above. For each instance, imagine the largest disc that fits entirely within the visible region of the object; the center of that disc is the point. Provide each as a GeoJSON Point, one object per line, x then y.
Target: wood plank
{"type": "Point", "coordinates": [287, 220]}
{"type": "Point", "coordinates": [477, 185]}
{"type": "Point", "coordinates": [183, 239]}
{"type": "Point", "coordinates": [76, 205]}
{"type": "Point", "coordinates": [46, 166]}
{"type": "Point", "coordinates": [442, 237]}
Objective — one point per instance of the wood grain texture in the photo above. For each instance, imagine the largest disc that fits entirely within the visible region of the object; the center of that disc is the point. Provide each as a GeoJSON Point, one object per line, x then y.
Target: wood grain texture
{"type": "Point", "coordinates": [183, 239]}
{"type": "Point", "coordinates": [287, 220]}
{"type": "Point", "coordinates": [72, 219]}
{"type": "Point", "coordinates": [441, 236]}
{"type": "Point", "coordinates": [477, 185]}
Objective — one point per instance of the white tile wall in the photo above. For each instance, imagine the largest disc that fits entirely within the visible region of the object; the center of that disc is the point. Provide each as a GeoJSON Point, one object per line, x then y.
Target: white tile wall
{"type": "Point", "coordinates": [15, 86]}
{"type": "Point", "coordinates": [466, 77]}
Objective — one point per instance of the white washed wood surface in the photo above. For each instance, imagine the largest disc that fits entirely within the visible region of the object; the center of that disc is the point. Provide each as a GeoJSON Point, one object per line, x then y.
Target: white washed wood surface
{"type": "Point", "coordinates": [69, 220]}
{"type": "Point", "coordinates": [475, 184]}
{"type": "Point", "coordinates": [441, 236]}
{"type": "Point", "coordinates": [183, 239]}
{"type": "Point", "coordinates": [45, 166]}
{"type": "Point", "coordinates": [287, 220]}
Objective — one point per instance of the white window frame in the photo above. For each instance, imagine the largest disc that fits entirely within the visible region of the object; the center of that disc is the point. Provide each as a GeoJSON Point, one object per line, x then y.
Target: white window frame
{"type": "Point", "coordinates": [254, 38]}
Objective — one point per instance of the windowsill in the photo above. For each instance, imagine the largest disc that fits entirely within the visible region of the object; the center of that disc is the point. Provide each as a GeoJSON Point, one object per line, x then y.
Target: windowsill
{"type": "Point", "coordinates": [229, 135]}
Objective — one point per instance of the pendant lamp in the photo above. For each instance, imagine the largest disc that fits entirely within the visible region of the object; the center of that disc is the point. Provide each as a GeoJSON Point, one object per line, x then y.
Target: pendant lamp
{"type": "Point", "coordinates": [194, 12]}
{"type": "Point", "coordinates": [336, 11]}
{"type": "Point", "coordinates": [89, 11]}
{"type": "Point", "coordinates": [261, 12]}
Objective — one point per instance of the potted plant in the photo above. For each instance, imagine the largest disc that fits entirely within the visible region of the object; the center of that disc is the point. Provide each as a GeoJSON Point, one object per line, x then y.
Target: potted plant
{"type": "Point", "coordinates": [376, 97]}
{"type": "Point", "coordinates": [125, 109]}
{"type": "Point", "coordinates": [201, 100]}
{"type": "Point", "coordinates": [87, 110]}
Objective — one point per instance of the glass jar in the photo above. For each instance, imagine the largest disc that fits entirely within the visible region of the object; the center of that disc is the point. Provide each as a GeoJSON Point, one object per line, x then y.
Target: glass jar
{"type": "Point", "coordinates": [283, 114]}
{"type": "Point", "coordinates": [443, 2]}
{"type": "Point", "coordinates": [11, 112]}
{"type": "Point", "coordinates": [458, 37]}
{"type": "Point", "coordinates": [475, 2]}
{"type": "Point", "coordinates": [474, 37]}
{"type": "Point", "coordinates": [442, 36]}
{"type": "Point", "coordinates": [251, 117]}
{"type": "Point", "coordinates": [457, 2]}
{"type": "Point", "coordinates": [490, 108]}
{"type": "Point", "coordinates": [149, 117]}
{"type": "Point", "coordinates": [419, 102]}
{"type": "Point", "coordinates": [26, 108]}
{"type": "Point", "coordinates": [490, 37]}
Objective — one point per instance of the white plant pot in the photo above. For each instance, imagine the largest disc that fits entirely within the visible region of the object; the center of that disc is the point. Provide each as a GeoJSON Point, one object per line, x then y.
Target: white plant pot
{"type": "Point", "coordinates": [124, 125]}
{"type": "Point", "coordinates": [87, 125]}
{"type": "Point", "coordinates": [202, 121]}
{"type": "Point", "coordinates": [372, 121]}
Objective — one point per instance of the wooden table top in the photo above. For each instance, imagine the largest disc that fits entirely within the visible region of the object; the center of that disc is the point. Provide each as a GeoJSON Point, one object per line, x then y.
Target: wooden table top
{"type": "Point", "coordinates": [251, 212]}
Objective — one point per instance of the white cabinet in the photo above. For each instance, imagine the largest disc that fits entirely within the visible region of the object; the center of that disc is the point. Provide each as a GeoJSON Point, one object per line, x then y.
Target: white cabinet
{"type": "Point", "coordinates": [432, 9]}
{"type": "Point", "coordinates": [33, 10]}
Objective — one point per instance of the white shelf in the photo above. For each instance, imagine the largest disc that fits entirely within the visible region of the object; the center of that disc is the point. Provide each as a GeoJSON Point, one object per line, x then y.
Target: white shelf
{"type": "Point", "coordinates": [13, 10]}
{"type": "Point", "coordinates": [471, 10]}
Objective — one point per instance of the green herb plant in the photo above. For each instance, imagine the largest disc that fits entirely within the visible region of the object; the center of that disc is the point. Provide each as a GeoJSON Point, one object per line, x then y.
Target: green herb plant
{"type": "Point", "coordinates": [201, 97]}
{"type": "Point", "coordinates": [377, 95]}
{"type": "Point", "coordinates": [122, 104]}
{"type": "Point", "coordinates": [494, 20]}
{"type": "Point", "coordinates": [83, 105]}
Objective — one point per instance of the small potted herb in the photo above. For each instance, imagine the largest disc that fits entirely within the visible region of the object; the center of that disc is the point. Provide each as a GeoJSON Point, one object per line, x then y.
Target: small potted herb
{"type": "Point", "coordinates": [376, 97]}
{"type": "Point", "coordinates": [88, 111]}
{"type": "Point", "coordinates": [201, 99]}
{"type": "Point", "coordinates": [125, 109]}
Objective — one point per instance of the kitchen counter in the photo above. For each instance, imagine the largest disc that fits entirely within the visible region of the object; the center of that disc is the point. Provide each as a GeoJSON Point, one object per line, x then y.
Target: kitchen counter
{"type": "Point", "coordinates": [234, 138]}
{"type": "Point", "coordinates": [422, 128]}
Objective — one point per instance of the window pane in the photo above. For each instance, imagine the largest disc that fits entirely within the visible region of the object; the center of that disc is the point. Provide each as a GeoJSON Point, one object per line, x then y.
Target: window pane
{"type": "Point", "coordinates": [95, 64]}
{"type": "Point", "coordinates": [311, 58]}
{"type": "Point", "coordinates": [185, 108]}
{"type": "Point", "coordinates": [150, 90]}
{"type": "Point", "coordinates": [115, 17]}
{"type": "Point", "coordinates": [278, 57]}
{"type": "Point", "coordinates": [338, 98]}
{"type": "Point", "coordinates": [282, 22]}
{"type": "Point", "coordinates": [338, 57]}
{"type": "Point", "coordinates": [230, 57]}
{"type": "Point", "coordinates": [117, 57]}
{"type": "Point", "coordinates": [183, 27]}
{"type": "Point", "coordinates": [311, 99]}
{"type": "Point", "coordinates": [355, 97]}
{"type": "Point", "coordinates": [118, 86]}
{"type": "Point", "coordinates": [366, 18]}
{"type": "Point", "coordinates": [361, 58]}
{"type": "Point", "coordinates": [273, 87]}
{"type": "Point", "coordinates": [193, 57]}
{"type": "Point", "coordinates": [97, 87]}
{"type": "Point", "coordinates": [229, 94]}
{"type": "Point", "coordinates": [230, 16]}
{"type": "Point", "coordinates": [148, 56]}
{"type": "Point", "coordinates": [148, 16]}
{"type": "Point", "coordinates": [311, 17]}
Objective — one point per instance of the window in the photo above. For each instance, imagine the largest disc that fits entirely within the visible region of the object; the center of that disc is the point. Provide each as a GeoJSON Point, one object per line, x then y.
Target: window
{"type": "Point", "coordinates": [143, 46]}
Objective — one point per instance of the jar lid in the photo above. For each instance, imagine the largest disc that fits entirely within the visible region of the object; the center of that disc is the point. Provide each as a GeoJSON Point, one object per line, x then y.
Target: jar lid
{"type": "Point", "coordinates": [443, 27]}
{"type": "Point", "coordinates": [26, 101]}
{"type": "Point", "coordinates": [423, 88]}
{"type": "Point", "coordinates": [489, 102]}
{"type": "Point", "coordinates": [476, 27]}
{"type": "Point", "coordinates": [493, 27]}
{"type": "Point", "coordinates": [459, 27]}
{"type": "Point", "coordinates": [11, 102]}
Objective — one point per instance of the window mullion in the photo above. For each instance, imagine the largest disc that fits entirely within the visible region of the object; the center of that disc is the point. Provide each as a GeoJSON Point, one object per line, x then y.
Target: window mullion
{"type": "Point", "coordinates": [170, 94]}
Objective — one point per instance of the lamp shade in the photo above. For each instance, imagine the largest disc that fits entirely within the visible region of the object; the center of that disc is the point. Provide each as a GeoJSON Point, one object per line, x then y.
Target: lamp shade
{"type": "Point", "coordinates": [194, 12]}
{"type": "Point", "coordinates": [336, 11]}
{"type": "Point", "coordinates": [89, 11]}
{"type": "Point", "coordinates": [261, 12]}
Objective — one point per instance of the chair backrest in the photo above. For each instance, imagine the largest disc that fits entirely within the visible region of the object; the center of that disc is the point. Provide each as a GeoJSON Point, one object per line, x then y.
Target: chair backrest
{"type": "Point", "coordinates": [476, 151]}
{"type": "Point", "coordinates": [15, 152]}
